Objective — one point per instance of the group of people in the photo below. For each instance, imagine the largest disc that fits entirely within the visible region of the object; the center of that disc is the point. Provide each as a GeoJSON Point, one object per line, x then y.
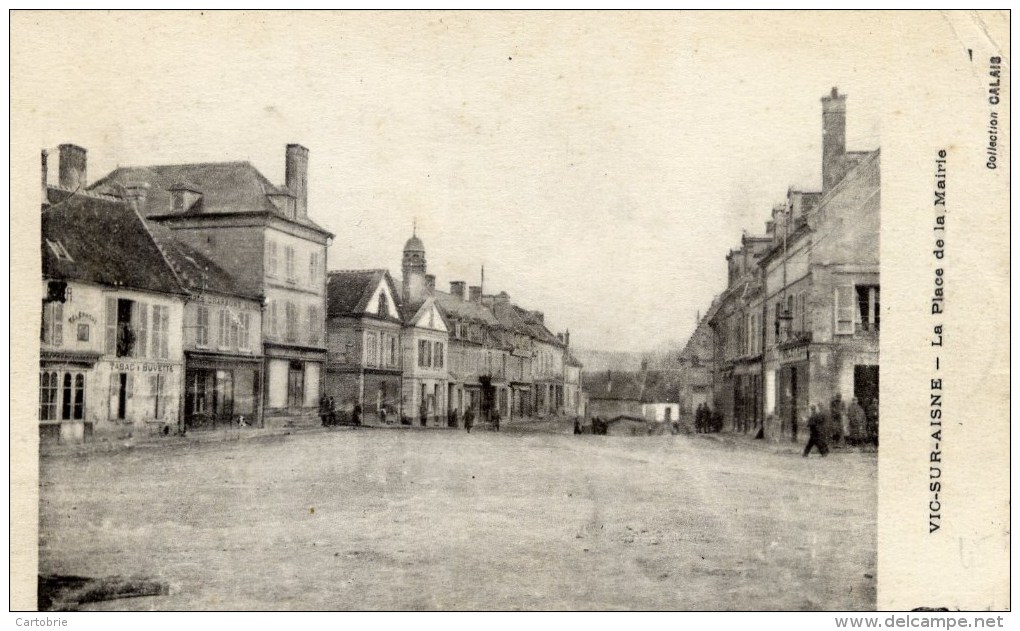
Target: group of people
{"type": "Point", "coordinates": [707, 420]}
{"type": "Point", "coordinates": [851, 425]}
{"type": "Point", "coordinates": [331, 416]}
{"type": "Point", "coordinates": [598, 426]}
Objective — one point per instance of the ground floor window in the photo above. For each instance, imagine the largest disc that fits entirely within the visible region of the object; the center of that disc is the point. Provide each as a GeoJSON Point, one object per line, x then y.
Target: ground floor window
{"type": "Point", "coordinates": [61, 395]}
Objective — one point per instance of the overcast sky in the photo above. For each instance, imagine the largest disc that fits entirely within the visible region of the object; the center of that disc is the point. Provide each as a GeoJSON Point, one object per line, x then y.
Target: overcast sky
{"type": "Point", "coordinates": [599, 165]}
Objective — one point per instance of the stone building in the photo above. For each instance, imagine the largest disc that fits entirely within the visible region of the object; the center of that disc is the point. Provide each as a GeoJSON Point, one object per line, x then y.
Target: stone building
{"type": "Point", "coordinates": [363, 338]}
{"type": "Point", "coordinates": [424, 340]}
{"type": "Point", "coordinates": [798, 322]}
{"type": "Point", "coordinates": [222, 337]}
{"type": "Point", "coordinates": [111, 357]}
{"type": "Point", "coordinates": [695, 364]}
{"type": "Point", "coordinates": [262, 235]}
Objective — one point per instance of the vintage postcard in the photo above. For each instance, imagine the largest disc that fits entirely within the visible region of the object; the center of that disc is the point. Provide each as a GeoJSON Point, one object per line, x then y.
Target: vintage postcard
{"type": "Point", "coordinates": [668, 311]}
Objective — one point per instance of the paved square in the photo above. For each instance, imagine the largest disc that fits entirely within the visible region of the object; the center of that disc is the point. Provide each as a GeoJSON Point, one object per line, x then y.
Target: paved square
{"type": "Point", "coordinates": [412, 519]}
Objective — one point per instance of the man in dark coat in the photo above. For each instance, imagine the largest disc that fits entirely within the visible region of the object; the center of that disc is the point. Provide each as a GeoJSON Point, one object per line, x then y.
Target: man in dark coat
{"type": "Point", "coordinates": [837, 414]}
{"type": "Point", "coordinates": [816, 425]}
{"type": "Point", "coordinates": [469, 419]}
{"type": "Point", "coordinates": [855, 423]}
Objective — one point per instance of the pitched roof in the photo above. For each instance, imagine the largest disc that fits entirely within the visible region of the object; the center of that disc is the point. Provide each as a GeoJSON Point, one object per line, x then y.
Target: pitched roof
{"type": "Point", "coordinates": [348, 292]}
{"type": "Point", "coordinates": [108, 244]}
{"type": "Point", "coordinates": [468, 310]}
{"type": "Point", "coordinates": [226, 187]}
{"type": "Point", "coordinates": [196, 271]}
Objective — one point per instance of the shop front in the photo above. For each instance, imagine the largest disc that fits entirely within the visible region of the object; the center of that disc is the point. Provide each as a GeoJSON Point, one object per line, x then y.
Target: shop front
{"type": "Point", "coordinates": [66, 409]}
{"type": "Point", "coordinates": [793, 386]}
{"type": "Point", "coordinates": [222, 391]}
{"type": "Point", "coordinates": [293, 385]}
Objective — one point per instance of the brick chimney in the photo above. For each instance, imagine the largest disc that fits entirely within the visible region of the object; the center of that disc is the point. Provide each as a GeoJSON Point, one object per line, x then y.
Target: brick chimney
{"type": "Point", "coordinates": [45, 176]}
{"type": "Point", "coordinates": [458, 288]}
{"type": "Point", "coordinates": [475, 293]}
{"type": "Point", "coordinates": [297, 177]}
{"type": "Point", "coordinates": [73, 162]}
{"type": "Point", "coordinates": [566, 337]}
{"type": "Point", "coordinates": [833, 138]}
{"type": "Point", "coordinates": [430, 281]}
{"type": "Point", "coordinates": [539, 316]}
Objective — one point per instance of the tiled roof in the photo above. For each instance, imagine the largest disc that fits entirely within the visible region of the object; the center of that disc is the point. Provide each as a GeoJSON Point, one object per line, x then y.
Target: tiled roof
{"type": "Point", "coordinates": [226, 187]}
{"type": "Point", "coordinates": [108, 244]}
{"type": "Point", "coordinates": [468, 310]}
{"type": "Point", "coordinates": [349, 291]}
{"type": "Point", "coordinates": [196, 271]}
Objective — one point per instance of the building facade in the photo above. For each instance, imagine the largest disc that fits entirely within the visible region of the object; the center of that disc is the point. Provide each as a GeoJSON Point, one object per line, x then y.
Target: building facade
{"type": "Point", "coordinates": [798, 322]}
{"type": "Point", "coordinates": [263, 236]}
{"type": "Point", "coordinates": [363, 335]}
{"type": "Point", "coordinates": [111, 357]}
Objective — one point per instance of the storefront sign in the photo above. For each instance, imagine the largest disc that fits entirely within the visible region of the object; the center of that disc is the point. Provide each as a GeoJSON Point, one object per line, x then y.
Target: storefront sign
{"type": "Point", "coordinates": [796, 354]}
{"type": "Point", "coordinates": [225, 301]}
{"type": "Point", "coordinates": [126, 366]}
{"type": "Point", "coordinates": [83, 317]}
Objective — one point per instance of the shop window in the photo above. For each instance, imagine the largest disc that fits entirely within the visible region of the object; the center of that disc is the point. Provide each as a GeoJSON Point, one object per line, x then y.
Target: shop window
{"type": "Point", "coordinates": [48, 396]}
{"type": "Point", "coordinates": [61, 396]}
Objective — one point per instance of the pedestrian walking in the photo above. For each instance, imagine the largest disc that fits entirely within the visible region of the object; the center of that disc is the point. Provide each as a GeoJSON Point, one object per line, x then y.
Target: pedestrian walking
{"type": "Point", "coordinates": [356, 417]}
{"type": "Point", "coordinates": [577, 426]}
{"type": "Point", "coordinates": [423, 414]}
{"type": "Point", "coordinates": [818, 438]}
{"type": "Point", "coordinates": [469, 419]}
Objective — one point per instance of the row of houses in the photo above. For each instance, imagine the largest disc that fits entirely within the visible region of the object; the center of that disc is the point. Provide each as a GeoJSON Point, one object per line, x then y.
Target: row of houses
{"type": "Point", "coordinates": [188, 296]}
{"type": "Point", "coordinates": [798, 322]}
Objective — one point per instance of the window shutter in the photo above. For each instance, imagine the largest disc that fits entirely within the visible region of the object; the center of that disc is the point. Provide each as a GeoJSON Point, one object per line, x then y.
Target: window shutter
{"type": "Point", "coordinates": [141, 317]}
{"type": "Point", "coordinates": [130, 386]}
{"type": "Point", "coordinates": [58, 324]}
{"type": "Point", "coordinates": [843, 310]}
{"type": "Point", "coordinates": [111, 326]}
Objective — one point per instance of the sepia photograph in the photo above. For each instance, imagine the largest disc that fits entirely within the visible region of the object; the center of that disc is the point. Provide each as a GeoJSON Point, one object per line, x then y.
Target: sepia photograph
{"type": "Point", "coordinates": [501, 311]}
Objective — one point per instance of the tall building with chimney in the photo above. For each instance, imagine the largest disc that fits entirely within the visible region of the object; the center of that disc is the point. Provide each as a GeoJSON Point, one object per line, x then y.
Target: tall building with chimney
{"type": "Point", "coordinates": [799, 322]}
{"type": "Point", "coordinates": [263, 236]}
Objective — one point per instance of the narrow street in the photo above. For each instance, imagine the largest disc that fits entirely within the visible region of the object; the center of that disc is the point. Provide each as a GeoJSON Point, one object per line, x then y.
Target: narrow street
{"type": "Point", "coordinates": [383, 519]}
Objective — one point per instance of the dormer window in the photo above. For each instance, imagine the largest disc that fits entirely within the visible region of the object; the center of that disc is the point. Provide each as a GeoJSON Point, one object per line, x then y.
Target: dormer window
{"type": "Point", "coordinates": [59, 251]}
{"type": "Point", "coordinates": [384, 305]}
{"type": "Point", "coordinates": [178, 200]}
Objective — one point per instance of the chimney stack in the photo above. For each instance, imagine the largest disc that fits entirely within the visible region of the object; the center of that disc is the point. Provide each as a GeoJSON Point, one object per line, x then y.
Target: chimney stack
{"type": "Point", "coordinates": [833, 138]}
{"type": "Point", "coordinates": [458, 288]}
{"type": "Point", "coordinates": [73, 162]}
{"type": "Point", "coordinates": [539, 316]}
{"type": "Point", "coordinates": [566, 337]}
{"type": "Point", "coordinates": [475, 293]}
{"type": "Point", "coordinates": [430, 281]}
{"type": "Point", "coordinates": [45, 176]}
{"type": "Point", "coordinates": [297, 177]}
